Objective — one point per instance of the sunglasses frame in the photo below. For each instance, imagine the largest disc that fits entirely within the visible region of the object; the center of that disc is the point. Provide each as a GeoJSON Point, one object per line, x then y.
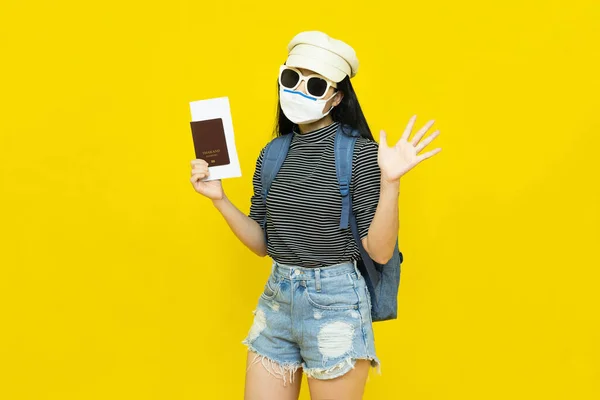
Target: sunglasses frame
{"type": "Point", "coordinates": [306, 78]}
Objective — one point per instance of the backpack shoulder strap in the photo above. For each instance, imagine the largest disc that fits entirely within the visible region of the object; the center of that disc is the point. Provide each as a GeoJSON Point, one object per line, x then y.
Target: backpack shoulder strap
{"type": "Point", "coordinates": [343, 152]}
{"type": "Point", "coordinates": [275, 154]}
{"type": "Point", "coordinates": [273, 159]}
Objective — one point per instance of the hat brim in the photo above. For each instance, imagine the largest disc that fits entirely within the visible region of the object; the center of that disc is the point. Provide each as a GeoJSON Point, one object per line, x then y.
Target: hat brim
{"type": "Point", "coordinates": [317, 65]}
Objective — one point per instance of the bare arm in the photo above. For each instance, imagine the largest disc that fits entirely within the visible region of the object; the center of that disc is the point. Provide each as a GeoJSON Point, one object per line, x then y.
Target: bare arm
{"type": "Point", "coordinates": [247, 230]}
{"type": "Point", "coordinates": [383, 231]}
{"type": "Point", "coordinates": [375, 203]}
{"type": "Point", "coordinates": [395, 161]}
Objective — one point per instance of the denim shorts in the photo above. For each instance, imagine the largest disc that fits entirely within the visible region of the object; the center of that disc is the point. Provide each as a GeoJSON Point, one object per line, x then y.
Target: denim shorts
{"type": "Point", "coordinates": [315, 318]}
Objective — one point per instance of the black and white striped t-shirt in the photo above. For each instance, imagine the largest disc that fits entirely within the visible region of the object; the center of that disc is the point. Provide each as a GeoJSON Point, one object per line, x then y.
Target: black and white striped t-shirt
{"type": "Point", "coordinates": [304, 203]}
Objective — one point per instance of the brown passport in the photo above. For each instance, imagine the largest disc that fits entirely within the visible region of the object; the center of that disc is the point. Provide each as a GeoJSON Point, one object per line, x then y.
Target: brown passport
{"type": "Point", "coordinates": [209, 141]}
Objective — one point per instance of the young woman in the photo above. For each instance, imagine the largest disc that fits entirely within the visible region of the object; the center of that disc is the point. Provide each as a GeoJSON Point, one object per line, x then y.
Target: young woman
{"type": "Point", "coordinates": [314, 312]}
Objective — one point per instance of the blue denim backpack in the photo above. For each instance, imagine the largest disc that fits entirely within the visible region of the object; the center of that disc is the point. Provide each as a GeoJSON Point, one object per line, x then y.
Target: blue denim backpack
{"type": "Point", "coordinates": [382, 280]}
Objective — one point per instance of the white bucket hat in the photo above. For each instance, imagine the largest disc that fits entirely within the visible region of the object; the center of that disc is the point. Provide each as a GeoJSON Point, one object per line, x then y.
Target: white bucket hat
{"type": "Point", "coordinates": [317, 51]}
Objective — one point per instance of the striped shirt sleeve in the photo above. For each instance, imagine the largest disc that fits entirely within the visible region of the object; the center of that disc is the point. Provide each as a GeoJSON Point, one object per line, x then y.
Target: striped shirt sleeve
{"type": "Point", "coordinates": [366, 183]}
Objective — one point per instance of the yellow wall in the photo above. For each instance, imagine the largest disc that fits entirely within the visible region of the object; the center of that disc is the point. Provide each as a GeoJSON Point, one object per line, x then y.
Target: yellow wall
{"type": "Point", "coordinates": [118, 281]}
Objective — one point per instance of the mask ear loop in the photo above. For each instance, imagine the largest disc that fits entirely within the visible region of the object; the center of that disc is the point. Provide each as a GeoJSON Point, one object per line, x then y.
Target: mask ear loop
{"type": "Point", "coordinates": [334, 93]}
{"type": "Point", "coordinates": [332, 106]}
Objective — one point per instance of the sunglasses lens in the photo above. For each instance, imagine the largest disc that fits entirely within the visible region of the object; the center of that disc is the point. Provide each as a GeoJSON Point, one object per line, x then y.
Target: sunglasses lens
{"type": "Point", "coordinates": [289, 78]}
{"type": "Point", "coordinates": [316, 86]}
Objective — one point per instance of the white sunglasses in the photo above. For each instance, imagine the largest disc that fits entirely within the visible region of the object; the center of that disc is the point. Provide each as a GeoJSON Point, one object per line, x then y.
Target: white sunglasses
{"type": "Point", "coordinates": [316, 85]}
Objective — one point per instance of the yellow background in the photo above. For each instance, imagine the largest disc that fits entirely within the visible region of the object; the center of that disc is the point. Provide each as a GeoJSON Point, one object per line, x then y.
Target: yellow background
{"type": "Point", "coordinates": [118, 281]}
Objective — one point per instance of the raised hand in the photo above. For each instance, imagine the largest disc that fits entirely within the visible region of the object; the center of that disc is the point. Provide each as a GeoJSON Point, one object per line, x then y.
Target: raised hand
{"type": "Point", "coordinates": [397, 160]}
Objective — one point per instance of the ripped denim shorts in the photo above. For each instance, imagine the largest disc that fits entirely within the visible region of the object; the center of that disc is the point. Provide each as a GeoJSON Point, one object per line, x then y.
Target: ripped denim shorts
{"type": "Point", "coordinates": [315, 318]}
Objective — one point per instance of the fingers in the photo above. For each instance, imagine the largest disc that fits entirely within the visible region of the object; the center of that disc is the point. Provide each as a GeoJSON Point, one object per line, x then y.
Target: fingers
{"type": "Point", "coordinates": [198, 162]}
{"type": "Point", "coordinates": [197, 177]}
{"type": "Point", "coordinates": [419, 135]}
{"type": "Point", "coordinates": [428, 154]}
{"type": "Point", "coordinates": [199, 166]}
{"type": "Point", "coordinates": [408, 128]}
{"type": "Point", "coordinates": [202, 168]}
{"type": "Point", "coordinates": [382, 138]}
{"type": "Point", "coordinates": [425, 142]}
{"type": "Point", "coordinates": [199, 170]}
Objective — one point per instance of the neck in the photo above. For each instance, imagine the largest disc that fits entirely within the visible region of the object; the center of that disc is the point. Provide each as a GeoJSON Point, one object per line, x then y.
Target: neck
{"type": "Point", "coordinates": [325, 121]}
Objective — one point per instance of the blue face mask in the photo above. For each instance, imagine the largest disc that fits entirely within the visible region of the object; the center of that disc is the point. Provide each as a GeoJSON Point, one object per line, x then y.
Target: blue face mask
{"type": "Point", "coordinates": [301, 108]}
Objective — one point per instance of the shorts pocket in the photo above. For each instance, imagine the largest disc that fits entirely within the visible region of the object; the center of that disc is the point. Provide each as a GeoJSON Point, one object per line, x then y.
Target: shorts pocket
{"type": "Point", "coordinates": [271, 288]}
{"type": "Point", "coordinates": [337, 293]}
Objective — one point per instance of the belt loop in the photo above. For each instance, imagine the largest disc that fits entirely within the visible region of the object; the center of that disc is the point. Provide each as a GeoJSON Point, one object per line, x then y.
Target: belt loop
{"type": "Point", "coordinates": [318, 279]}
{"type": "Point", "coordinates": [356, 268]}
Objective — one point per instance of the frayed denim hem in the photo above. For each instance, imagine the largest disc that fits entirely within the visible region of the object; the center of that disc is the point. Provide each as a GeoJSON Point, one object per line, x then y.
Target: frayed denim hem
{"type": "Point", "coordinates": [339, 369]}
{"type": "Point", "coordinates": [276, 368]}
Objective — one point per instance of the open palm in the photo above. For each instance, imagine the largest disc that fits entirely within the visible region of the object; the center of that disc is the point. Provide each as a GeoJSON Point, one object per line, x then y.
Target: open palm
{"type": "Point", "coordinates": [397, 160]}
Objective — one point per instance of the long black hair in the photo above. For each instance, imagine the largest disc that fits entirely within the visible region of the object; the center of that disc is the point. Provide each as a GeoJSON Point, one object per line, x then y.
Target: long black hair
{"type": "Point", "coordinates": [348, 112]}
